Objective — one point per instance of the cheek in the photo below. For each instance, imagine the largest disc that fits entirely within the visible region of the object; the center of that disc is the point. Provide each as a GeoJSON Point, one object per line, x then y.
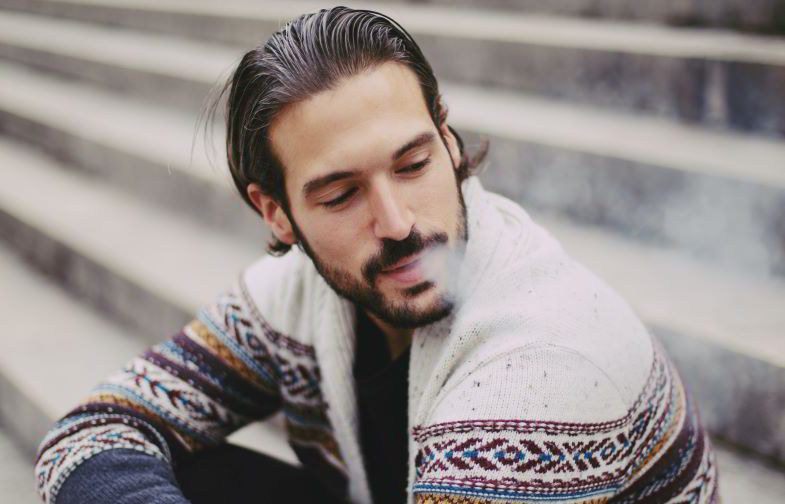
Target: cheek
{"type": "Point", "coordinates": [335, 243]}
{"type": "Point", "coordinates": [438, 201]}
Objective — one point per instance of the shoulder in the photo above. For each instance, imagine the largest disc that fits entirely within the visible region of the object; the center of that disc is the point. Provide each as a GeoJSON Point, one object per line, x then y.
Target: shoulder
{"type": "Point", "coordinates": [549, 387]}
{"type": "Point", "coordinates": [539, 381]}
{"type": "Point", "coordinates": [545, 423]}
{"type": "Point", "coordinates": [561, 320]}
{"type": "Point", "coordinates": [537, 422]}
{"type": "Point", "coordinates": [530, 293]}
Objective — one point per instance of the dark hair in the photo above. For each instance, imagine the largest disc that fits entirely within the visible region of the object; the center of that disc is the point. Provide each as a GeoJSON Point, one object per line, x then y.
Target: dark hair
{"type": "Point", "coordinates": [310, 54]}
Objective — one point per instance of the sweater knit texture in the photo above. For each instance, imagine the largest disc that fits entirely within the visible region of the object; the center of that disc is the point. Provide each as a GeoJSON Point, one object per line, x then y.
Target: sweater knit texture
{"type": "Point", "coordinates": [541, 386]}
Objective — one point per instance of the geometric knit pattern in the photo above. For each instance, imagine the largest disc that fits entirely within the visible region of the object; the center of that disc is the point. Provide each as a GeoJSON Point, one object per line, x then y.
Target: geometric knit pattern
{"type": "Point", "coordinates": [222, 371]}
{"type": "Point", "coordinates": [657, 452]}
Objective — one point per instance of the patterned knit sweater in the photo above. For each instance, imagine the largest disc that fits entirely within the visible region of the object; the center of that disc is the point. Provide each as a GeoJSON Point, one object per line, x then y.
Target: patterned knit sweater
{"type": "Point", "coordinates": [542, 386]}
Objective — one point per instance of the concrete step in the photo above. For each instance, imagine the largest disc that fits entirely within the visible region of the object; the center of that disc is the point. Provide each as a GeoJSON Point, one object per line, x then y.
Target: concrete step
{"type": "Point", "coordinates": [717, 195]}
{"type": "Point", "coordinates": [112, 247]}
{"type": "Point", "coordinates": [713, 77]}
{"type": "Point", "coordinates": [764, 16]}
{"type": "Point", "coordinates": [650, 178]}
{"type": "Point", "coordinates": [67, 224]}
{"type": "Point", "coordinates": [17, 484]}
{"type": "Point", "coordinates": [745, 478]}
{"type": "Point", "coordinates": [171, 70]}
{"type": "Point", "coordinates": [137, 145]}
{"type": "Point", "coordinates": [57, 348]}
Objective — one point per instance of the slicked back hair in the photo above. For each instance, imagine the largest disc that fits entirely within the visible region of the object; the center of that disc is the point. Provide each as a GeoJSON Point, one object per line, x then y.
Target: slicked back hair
{"type": "Point", "coordinates": [310, 54]}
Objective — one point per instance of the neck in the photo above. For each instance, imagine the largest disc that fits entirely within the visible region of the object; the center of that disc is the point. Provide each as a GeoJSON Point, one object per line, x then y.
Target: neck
{"type": "Point", "coordinates": [397, 338]}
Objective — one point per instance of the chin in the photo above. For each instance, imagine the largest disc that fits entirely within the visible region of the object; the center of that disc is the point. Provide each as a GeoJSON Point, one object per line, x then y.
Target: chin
{"type": "Point", "coordinates": [415, 306]}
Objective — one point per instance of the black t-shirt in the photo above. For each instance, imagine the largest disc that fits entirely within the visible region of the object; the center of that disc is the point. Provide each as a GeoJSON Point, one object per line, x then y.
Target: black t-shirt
{"type": "Point", "coordinates": [382, 396]}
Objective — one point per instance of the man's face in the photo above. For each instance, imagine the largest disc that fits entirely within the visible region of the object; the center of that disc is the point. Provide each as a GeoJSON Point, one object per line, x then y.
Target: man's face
{"type": "Point", "coordinates": [373, 196]}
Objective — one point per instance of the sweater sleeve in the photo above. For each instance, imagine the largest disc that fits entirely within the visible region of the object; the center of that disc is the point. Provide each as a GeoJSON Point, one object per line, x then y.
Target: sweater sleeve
{"type": "Point", "coordinates": [544, 424]}
{"type": "Point", "coordinates": [214, 376]}
{"type": "Point", "coordinates": [136, 478]}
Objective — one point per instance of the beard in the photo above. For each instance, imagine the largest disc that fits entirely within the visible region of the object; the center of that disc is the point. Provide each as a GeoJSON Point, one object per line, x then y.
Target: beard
{"type": "Point", "coordinates": [364, 293]}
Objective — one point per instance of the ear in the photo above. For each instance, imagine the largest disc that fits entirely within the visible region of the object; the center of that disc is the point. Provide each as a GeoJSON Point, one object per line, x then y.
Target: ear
{"type": "Point", "coordinates": [452, 144]}
{"type": "Point", "coordinates": [273, 214]}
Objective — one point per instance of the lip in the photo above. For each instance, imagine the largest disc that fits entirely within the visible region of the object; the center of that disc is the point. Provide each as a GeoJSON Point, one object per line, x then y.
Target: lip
{"type": "Point", "coordinates": [403, 263]}
{"type": "Point", "coordinates": [406, 271]}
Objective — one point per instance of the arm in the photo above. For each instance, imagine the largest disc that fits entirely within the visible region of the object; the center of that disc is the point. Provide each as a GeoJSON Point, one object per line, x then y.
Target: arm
{"type": "Point", "coordinates": [544, 424]}
{"type": "Point", "coordinates": [121, 476]}
{"type": "Point", "coordinates": [187, 393]}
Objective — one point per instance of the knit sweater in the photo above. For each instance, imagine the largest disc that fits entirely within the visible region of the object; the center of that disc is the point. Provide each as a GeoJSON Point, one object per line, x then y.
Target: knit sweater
{"type": "Point", "coordinates": [541, 386]}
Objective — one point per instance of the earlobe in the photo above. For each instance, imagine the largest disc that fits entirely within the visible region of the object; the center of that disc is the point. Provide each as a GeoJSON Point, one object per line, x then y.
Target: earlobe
{"type": "Point", "coordinates": [273, 214]}
{"type": "Point", "coordinates": [281, 226]}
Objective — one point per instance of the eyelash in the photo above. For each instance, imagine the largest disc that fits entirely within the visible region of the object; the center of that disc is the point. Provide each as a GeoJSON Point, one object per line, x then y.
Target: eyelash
{"type": "Point", "coordinates": [412, 168]}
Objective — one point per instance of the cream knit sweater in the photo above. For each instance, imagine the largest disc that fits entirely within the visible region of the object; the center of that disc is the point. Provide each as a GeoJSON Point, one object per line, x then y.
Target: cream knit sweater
{"type": "Point", "coordinates": [542, 385]}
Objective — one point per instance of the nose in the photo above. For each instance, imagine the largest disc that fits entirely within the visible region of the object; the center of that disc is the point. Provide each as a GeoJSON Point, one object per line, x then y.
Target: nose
{"type": "Point", "coordinates": [392, 218]}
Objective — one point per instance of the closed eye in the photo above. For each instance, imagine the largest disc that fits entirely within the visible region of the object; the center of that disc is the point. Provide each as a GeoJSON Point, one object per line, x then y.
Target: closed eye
{"type": "Point", "coordinates": [340, 199]}
{"type": "Point", "coordinates": [410, 169]}
{"type": "Point", "coordinates": [414, 168]}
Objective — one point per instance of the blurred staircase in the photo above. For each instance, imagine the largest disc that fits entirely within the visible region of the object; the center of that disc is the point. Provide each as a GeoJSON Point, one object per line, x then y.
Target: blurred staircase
{"type": "Point", "coordinates": [764, 16]}
{"type": "Point", "coordinates": [655, 153]}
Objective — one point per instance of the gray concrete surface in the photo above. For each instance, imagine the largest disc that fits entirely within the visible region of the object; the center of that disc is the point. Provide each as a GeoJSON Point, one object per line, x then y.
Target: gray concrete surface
{"type": "Point", "coordinates": [751, 15]}
{"type": "Point", "coordinates": [745, 479]}
{"type": "Point", "coordinates": [153, 270]}
{"type": "Point", "coordinates": [705, 76]}
{"type": "Point", "coordinates": [17, 484]}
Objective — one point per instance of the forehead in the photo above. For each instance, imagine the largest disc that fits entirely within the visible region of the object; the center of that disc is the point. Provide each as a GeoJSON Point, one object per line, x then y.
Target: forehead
{"type": "Point", "coordinates": [354, 126]}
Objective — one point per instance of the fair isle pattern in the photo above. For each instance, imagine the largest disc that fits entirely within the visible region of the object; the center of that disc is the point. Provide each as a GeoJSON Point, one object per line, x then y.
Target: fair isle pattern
{"type": "Point", "coordinates": [299, 380]}
{"type": "Point", "coordinates": [221, 371]}
{"type": "Point", "coordinates": [295, 363]}
{"type": "Point", "coordinates": [685, 472]}
{"type": "Point", "coordinates": [703, 487]}
{"type": "Point", "coordinates": [173, 402]}
{"type": "Point", "coordinates": [655, 449]}
{"type": "Point", "coordinates": [76, 439]}
{"type": "Point", "coordinates": [460, 499]}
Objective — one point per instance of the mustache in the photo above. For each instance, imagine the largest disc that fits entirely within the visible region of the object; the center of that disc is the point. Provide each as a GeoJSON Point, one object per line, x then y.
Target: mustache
{"type": "Point", "coordinates": [394, 250]}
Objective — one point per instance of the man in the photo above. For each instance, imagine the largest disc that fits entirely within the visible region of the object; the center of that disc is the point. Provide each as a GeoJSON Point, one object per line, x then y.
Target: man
{"type": "Point", "coordinates": [425, 339]}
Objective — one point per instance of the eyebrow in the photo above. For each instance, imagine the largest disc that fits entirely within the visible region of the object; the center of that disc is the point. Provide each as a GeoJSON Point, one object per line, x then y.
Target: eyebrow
{"type": "Point", "coordinates": [314, 185]}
